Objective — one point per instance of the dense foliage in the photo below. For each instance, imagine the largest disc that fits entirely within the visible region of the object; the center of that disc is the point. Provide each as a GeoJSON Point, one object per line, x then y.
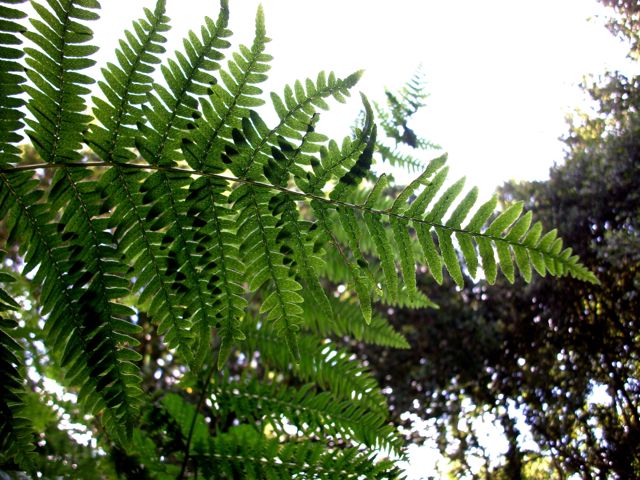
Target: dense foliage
{"type": "Point", "coordinates": [172, 257]}
{"type": "Point", "coordinates": [554, 367]}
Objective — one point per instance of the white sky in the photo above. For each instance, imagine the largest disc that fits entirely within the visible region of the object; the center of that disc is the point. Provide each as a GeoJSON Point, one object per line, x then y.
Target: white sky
{"type": "Point", "coordinates": [502, 74]}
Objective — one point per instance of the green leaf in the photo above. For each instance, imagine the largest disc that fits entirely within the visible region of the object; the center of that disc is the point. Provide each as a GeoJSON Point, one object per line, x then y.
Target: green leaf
{"type": "Point", "coordinates": [449, 256]}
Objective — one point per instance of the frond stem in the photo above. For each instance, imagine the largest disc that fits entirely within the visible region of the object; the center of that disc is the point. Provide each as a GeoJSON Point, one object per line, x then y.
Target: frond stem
{"type": "Point", "coordinates": [203, 395]}
{"type": "Point", "coordinates": [302, 195]}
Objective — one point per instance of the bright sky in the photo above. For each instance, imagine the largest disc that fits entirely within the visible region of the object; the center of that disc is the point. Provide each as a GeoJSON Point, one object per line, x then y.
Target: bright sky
{"type": "Point", "coordinates": [502, 74]}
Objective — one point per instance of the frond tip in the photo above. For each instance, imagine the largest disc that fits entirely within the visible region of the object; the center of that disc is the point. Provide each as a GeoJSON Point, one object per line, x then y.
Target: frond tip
{"type": "Point", "coordinates": [437, 223]}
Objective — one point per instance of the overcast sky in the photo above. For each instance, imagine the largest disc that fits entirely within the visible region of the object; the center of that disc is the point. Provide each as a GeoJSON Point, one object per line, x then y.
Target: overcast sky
{"type": "Point", "coordinates": [502, 74]}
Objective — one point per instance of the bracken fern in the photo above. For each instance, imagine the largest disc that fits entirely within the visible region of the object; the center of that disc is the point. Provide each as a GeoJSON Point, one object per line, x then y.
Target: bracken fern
{"type": "Point", "coordinates": [177, 199]}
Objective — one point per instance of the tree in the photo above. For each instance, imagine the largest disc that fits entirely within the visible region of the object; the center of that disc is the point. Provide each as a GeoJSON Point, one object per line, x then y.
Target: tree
{"type": "Point", "coordinates": [563, 358]}
{"type": "Point", "coordinates": [177, 266]}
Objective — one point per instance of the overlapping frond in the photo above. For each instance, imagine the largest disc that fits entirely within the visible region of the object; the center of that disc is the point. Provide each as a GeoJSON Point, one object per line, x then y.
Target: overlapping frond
{"type": "Point", "coordinates": [254, 146]}
{"type": "Point", "coordinates": [74, 250]}
{"type": "Point", "coordinates": [169, 112]}
{"type": "Point", "coordinates": [125, 87]}
{"type": "Point", "coordinates": [265, 263]}
{"type": "Point", "coordinates": [297, 241]}
{"type": "Point", "coordinates": [315, 414]}
{"type": "Point", "coordinates": [209, 136]}
{"type": "Point", "coordinates": [331, 368]}
{"type": "Point", "coordinates": [245, 453]}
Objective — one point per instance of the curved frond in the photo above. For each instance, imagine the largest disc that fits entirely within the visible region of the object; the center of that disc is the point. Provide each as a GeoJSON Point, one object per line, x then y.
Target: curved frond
{"type": "Point", "coordinates": [246, 453]}
{"type": "Point", "coordinates": [126, 85]}
{"type": "Point", "coordinates": [316, 414]}
{"type": "Point", "coordinates": [332, 369]}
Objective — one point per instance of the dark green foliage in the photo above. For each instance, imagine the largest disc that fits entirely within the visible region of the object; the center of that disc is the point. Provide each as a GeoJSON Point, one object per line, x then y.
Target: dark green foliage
{"type": "Point", "coordinates": [16, 435]}
{"type": "Point", "coordinates": [191, 226]}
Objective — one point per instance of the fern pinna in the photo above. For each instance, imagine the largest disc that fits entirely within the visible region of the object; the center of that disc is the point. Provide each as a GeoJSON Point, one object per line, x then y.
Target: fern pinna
{"type": "Point", "coordinates": [173, 199]}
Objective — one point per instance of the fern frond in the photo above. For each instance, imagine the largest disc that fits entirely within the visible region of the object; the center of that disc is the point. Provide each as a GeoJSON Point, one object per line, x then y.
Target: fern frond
{"type": "Point", "coordinates": [79, 252]}
{"type": "Point", "coordinates": [126, 86]}
{"type": "Point", "coordinates": [506, 234]}
{"type": "Point", "coordinates": [142, 248]}
{"type": "Point", "coordinates": [16, 434]}
{"type": "Point", "coordinates": [57, 88]}
{"type": "Point", "coordinates": [224, 108]}
{"type": "Point", "coordinates": [349, 164]}
{"type": "Point", "coordinates": [254, 143]}
{"type": "Point", "coordinates": [169, 112]}
{"type": "Point", "coordinates": [348, 322]}
{"type": "Point", "coordinates": [401, 106]}
{"type": "Point", "coordinates": [87, 337]}
{"type": "Point", "coordinates": [332, 369]}
{"type": "Point", "coordinates": [259, 457]}
{"type": "Point", "coordinates": [295, 112]}
{"type": "Point", "coordinates": [265, 263]}
{"type": "Point", "coordinates": [296, 237]}
{"type": "Point", "coordinates": [315, 414]}
{"type": "Point", "coordinates": [202, 148]}
{"type": "Point", "coordinates": [245, 453]}
{"type": "Point", "coordinates": [11, 80]}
